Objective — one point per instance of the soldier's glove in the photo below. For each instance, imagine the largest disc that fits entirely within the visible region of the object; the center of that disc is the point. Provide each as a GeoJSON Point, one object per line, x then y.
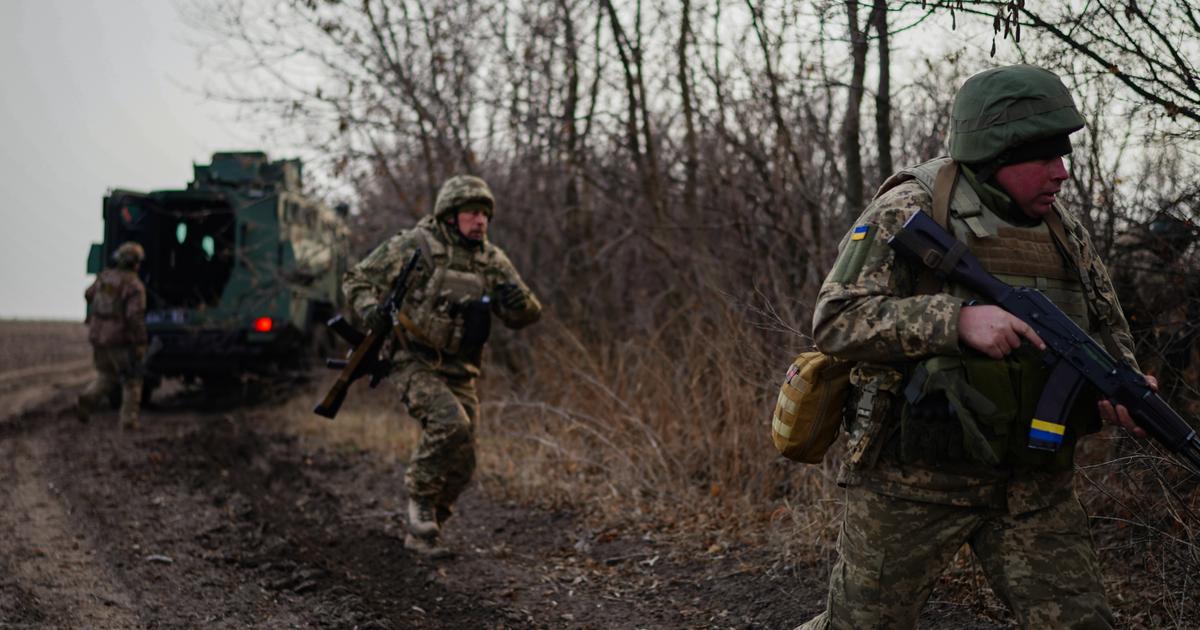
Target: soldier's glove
{"type": "Point", "coordinates": [377, 319]}
{"type": "Point", "coordinates": [511, 296]}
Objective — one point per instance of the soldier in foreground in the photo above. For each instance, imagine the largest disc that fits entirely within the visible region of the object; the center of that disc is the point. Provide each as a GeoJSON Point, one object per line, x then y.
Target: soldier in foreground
{"type": "Point", "coordinates": [117, 331]}
{"type": "Point", "coordinates": [945, 385]}
{"type": "Point", "coordinates": [463, 279]}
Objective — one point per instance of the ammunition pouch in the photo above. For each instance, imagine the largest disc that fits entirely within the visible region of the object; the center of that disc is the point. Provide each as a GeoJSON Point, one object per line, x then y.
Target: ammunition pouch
{"type": "Point", "coordinates": [973, 409]}
{"type": "Point", "coordinates": [477, 323]}
{"type": "Point", "coordinates": [437, 314]}
{"type": "Point", "coordinates": [809, 408]}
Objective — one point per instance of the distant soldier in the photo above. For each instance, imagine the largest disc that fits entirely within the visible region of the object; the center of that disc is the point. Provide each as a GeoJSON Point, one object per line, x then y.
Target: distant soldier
{"type": "Point", "coordinates": [1155, 276]}
{"type": "Point", "coordinates": [462, 281]}
{"type": "Point", "coordinates": [117, 330]}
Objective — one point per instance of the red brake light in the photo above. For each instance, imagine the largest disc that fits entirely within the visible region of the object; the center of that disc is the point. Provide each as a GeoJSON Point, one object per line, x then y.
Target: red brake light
{"type": "Point", "coordinates": [263, 324]}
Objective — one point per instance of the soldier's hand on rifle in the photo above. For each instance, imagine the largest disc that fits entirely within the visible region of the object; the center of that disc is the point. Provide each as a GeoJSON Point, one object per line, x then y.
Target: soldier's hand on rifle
{"type": "Point", "coordinates": [993, 331]}
{"type": "Point", "coordinates": [377, 319]}
{"type": "Point", "coordinates": [511, 296]}
{"type": "Point", "coordinates": [1118, 414]}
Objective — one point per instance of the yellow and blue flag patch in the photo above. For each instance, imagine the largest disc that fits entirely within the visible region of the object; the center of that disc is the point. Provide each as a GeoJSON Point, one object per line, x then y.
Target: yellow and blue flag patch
{"type": "Point", "coordinates": [1046, 435]}
{"type": "Point", "coordinates": [859, 233]}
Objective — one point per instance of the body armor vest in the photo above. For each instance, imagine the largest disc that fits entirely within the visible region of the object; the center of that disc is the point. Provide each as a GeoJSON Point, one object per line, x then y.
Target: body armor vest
{"type": "Point", "coordinates": [446, 308]}
{"type": "Point", "coordinates": [971, 407]}
{"type": "Point", "coordinates": [1017, 255]}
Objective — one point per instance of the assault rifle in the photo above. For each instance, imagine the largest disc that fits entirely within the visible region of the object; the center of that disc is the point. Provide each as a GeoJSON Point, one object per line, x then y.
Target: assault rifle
{"type": "Point", "coordinates": [364, 359]}
{"type": "Point", "coordinates": [1075, 358]}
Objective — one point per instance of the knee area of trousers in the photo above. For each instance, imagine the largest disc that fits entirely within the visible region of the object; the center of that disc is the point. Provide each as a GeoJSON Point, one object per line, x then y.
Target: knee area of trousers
{"type": "Point", "coordinates": [450, 422]}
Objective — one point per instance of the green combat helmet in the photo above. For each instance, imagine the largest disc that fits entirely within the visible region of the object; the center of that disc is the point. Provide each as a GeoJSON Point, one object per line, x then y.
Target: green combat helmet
{"type": "Point", "coordinates": [1011, 114]}
{"type": "Point", "coordinates": [129, 254]}
{"type": "Point", "coordinates": [461, 190]}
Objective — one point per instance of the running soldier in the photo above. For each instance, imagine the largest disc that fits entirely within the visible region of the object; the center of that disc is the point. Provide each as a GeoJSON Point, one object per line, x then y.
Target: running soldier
{"type": "Point", "coordinates": [463, 280]}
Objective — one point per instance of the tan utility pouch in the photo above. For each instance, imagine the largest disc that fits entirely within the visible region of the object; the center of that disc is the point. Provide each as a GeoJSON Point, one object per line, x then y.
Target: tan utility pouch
{"type": "Point", "coordinates": [808, 412]}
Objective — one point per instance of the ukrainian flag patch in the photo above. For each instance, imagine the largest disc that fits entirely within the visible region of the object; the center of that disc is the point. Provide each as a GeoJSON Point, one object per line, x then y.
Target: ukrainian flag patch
{"type": "Point", "coordinates": [1046, 435]}
{"type": "Point", "coordinates": [859, 233]}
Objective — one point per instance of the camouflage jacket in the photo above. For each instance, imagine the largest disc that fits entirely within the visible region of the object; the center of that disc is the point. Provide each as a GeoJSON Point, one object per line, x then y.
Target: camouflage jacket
{"type": "Point", "coordinates": [868, 311]}
{"type": "Point", "coordinates": [117, 309]}
{"type": "Point", "coordinates": [369, 280]}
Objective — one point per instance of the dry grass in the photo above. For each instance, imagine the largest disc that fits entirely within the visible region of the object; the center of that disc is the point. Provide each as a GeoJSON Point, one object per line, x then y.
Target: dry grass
{"type": "Point", "coordinates": [371, 420]}
{"type": "Point", "coordinates": [667, 430]}
{"type": "Point", "coordinates": [28, 343]}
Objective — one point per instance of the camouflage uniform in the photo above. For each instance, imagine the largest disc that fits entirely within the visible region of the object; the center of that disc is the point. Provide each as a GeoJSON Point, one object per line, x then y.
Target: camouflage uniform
{"type": "Point", "coordinates": [117, 331]}
{"type": "Point", "coordinates": [435, 367]}
{"type": "Point", "coordinates": [908, 512]}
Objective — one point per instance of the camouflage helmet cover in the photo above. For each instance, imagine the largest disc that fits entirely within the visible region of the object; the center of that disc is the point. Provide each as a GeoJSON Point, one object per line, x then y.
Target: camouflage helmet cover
{"type": "Point", "coordinates": [461, 190]}
{"type": "Point", "coordinates": [129, 254]}
{"type": "Point", "coordinates": [1002, 108]}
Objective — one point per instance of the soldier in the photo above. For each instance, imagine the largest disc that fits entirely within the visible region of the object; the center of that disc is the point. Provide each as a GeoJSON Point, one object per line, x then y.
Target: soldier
{"type": "Point", "coordinates": [117, 330]}
{"type": "Point", "coordinates": [444, 322]}
{"type": "Point", "coordinates": [945, 384]}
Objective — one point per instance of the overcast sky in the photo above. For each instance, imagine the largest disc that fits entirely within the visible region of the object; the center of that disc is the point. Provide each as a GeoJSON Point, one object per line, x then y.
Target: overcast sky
{"type": "Point", "coordinates": [95, 94]}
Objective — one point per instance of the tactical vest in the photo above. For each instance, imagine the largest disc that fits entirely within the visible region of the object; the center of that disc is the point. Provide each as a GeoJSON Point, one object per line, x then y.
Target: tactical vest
{"type": "Point", "coordinates": [448, 311]}
{"type": "Point", "coordinates": [973, 408]}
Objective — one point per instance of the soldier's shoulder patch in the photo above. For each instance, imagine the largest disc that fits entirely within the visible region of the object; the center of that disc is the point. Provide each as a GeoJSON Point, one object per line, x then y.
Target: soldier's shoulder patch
{"type": "Point", "coordinates": [851, 259]}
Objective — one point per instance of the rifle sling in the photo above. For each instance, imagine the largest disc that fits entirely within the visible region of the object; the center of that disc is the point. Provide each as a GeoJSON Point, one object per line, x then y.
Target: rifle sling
{"type": "Point", "coordinates": [411, 331]}
{"type": "Point", "coordinates": [931, 281]}
{"type": "Point", "coordinates": [950, 259]}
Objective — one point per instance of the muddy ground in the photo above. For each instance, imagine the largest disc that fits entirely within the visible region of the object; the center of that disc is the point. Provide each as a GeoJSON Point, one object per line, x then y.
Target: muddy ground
{"type": "Point", "coordinates": [216, 515]}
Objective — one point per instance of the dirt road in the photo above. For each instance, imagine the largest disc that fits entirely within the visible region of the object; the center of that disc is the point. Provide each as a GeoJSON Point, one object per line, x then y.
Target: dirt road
{"type": "Point", "coordinates": [215, 515]}
{"type": "Point", "coordinates": [204, 519]}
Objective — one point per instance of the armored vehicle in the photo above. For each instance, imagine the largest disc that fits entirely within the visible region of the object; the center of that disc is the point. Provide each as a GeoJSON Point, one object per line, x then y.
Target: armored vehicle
{"type": "Point", "coordinates": [241, 268]}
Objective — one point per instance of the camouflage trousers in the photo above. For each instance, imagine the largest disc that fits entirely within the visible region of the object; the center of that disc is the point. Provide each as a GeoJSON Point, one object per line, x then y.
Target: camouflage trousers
{"type": "Point", "coordinates": [118, 369]}
{"type": "Point", "coordinates": [892, 551]}
{"type": "Point", "coordinates": [448, 409]}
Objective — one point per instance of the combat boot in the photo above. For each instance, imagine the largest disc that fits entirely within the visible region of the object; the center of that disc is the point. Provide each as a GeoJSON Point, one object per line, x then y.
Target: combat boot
{"type": "Point", "coordinates": [422, 519]}
{"type": "Point", "coordinates": [427, 547]}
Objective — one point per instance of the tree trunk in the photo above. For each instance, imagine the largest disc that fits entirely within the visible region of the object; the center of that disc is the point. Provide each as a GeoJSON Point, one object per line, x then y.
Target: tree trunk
{"type": "Point", "coordinates": [691, 153]}
{"type": "Point", "coordinates": [851, 123]}
{"type": "Point", "coordinates": [883, 96]}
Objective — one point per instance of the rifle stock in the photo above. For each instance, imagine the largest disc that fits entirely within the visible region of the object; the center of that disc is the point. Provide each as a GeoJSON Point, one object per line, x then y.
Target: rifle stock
{"type": "Point", "coordinates": [364, 359]}
{"type": "Point", "coordinates": [1069, 348]}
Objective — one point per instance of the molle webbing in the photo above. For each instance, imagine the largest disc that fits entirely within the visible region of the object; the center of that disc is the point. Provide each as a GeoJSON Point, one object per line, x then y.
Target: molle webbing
{"type": "Point", "coordinates": [1021, 252]}
{"type": "Point", "coordinates": [1029, 257]}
